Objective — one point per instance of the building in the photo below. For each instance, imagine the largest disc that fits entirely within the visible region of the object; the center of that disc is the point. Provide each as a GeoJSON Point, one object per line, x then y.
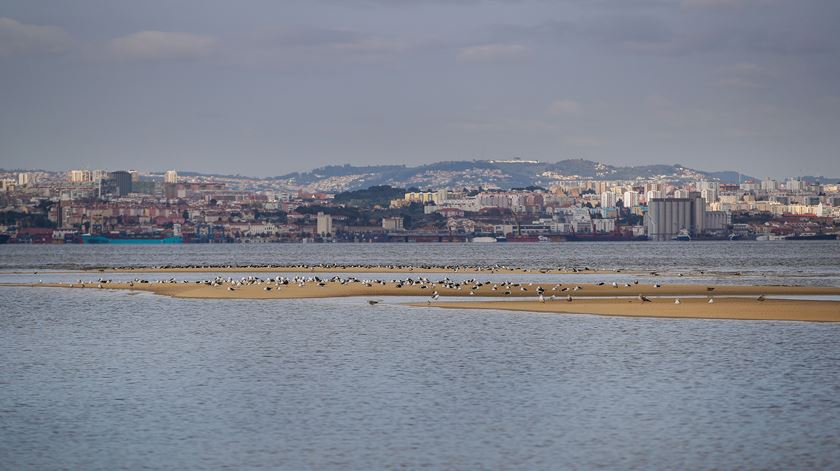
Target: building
{"type": "Point", "coordinates": [608, 199]}
{"type": "Point", "coordinates": [666, 217]}
{"type": "Point", "coordinates": [122, 181]}
{"type": "Point", "coordinates": [171, 176]}
{"type": "Point", "coordinates": [631, 199]}
{"type": "Point", "coordinates": [709, 194]}
{"type": "Point", "coordinates": [324, 225]}
{"type": "Point", "coordinates": [769, 185]}
{"type": "Point", "coordinates": [79, 176]}
{"type": "Point", "coordinates": [420, 197]}
{"type": "Point", "coordinates": [393, 223]}
{"type": "Point", "coordinates": [23, 179]}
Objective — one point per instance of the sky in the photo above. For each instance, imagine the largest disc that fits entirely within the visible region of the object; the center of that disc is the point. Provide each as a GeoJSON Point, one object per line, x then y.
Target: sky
{"type": "Point", "coordinates": [260, 87]}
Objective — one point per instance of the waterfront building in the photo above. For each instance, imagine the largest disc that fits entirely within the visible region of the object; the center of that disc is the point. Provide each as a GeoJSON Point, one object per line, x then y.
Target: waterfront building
{"type": "Point", "coordinates": [324, 225]}
{"type": "Point", "coordinates": [666, 217]}
{"type": "Point", "coordinates": [394, 223]}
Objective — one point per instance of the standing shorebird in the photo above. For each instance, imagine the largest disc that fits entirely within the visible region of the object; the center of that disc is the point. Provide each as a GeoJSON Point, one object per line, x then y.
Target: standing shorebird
{"type": "Point", "coordinates": [677, 301]}
{"type": "Point", "coordinates": [644, 299]}
{"type": "Point", "coordinates": [761, 298]}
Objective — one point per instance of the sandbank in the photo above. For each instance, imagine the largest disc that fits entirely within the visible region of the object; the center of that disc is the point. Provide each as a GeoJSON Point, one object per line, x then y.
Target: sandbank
{"type": "Point", "coordinates": [723, 308]}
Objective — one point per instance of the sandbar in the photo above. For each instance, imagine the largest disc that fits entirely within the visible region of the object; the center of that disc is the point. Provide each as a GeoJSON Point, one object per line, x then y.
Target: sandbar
{"type": "Point", "coordinates": [723, 308]}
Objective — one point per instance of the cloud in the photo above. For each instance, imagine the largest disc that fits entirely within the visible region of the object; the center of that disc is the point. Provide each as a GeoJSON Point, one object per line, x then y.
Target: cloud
{"type": "Point", "coordinates": [493, 53]}
{"type": "Point", "coordinates": [161, 45]}
{"type": "Point", "coordinates": [19, 38]}
{"type": "Point", "coordinates": [313, 46]}
{"type": "Point", "coordinates": [564, 107]}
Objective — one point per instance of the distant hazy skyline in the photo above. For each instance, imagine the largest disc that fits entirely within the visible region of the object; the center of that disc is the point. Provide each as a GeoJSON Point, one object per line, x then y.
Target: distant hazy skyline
{"type": "Point", "coordinates": [261, 87]}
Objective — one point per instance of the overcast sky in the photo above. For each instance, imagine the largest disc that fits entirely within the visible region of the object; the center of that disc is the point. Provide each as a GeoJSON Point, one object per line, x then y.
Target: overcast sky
{"type": "Point", "coordinates": [263, 87]}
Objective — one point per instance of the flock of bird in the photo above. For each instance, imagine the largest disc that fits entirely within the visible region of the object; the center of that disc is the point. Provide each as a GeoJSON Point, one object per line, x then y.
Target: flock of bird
{"type": "Point", "coordinates": [469, 286]}
{"type": "Point", "coordinates": [350, 267]}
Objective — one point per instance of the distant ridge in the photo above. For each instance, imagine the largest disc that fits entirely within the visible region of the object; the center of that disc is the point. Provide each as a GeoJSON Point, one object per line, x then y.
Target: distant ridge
{"type": "Point", "coordinates": [503, 174]}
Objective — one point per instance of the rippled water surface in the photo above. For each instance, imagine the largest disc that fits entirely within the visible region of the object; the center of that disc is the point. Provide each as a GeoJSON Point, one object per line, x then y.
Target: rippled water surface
{"type": "Point", "coordinates": [99, 379]}
{"type": "Point", "coordinates": [817, 257]}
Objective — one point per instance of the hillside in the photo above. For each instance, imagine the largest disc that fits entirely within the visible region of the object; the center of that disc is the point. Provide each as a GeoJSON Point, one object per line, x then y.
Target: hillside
{"type": "Point", "coordinates": [489, 174]}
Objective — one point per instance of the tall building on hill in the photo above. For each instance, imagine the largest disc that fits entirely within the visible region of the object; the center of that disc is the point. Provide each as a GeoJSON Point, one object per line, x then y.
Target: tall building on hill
{"type": "Point", "coordinates": [171, 176]}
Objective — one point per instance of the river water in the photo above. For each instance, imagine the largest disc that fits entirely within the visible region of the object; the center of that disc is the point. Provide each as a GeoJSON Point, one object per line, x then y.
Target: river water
{"type": "Point", "coordinates": [99, 379]}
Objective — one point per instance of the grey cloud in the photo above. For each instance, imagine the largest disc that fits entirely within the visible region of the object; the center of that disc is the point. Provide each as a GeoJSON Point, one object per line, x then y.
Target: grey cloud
{"type": "Point", "coordinates": [271, 87]}
{"type": "Point", "coordinates": [162, 45]}
{"type": "Point", "coordinates": [312, 46]}
{"type": "Point", "coordinates": [493, 53]}
{"type": "Point", "coordinates": [20, 38]}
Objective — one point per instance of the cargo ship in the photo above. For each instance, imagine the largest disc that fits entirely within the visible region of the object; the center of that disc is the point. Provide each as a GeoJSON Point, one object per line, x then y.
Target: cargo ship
{"type": "Point", "coordinates": [120, 238]}
{"type": "Point", "coordinates": [811, 236]}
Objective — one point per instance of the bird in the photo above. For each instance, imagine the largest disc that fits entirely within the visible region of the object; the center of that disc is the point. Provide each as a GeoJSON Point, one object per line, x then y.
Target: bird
{"type": "Point", "coordinates": [710, 288]}
{"type": "Point", "coordinates": [657, 285]}
{"type": "Point", "coordinates": [644, 299]}
{"type": "Point", "coordinates": [760, 298]}
{"type": "Point", "coordinates": [435, 296]}
{"type": "Point", "coordinates": [711, 300]}
{"type": "Point", "coordinates": [569, 298]}
{"type": "Point", "coordinates": [542, 298]}
{"type": "Point", "coordinates": [373, 302]}
{"type": "Point", "coordinates": [677, 301]}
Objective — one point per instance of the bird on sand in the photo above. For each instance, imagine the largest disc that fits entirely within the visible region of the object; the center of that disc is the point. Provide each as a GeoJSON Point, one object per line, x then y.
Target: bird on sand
{"type": "Point", "coordinates": [644, 299]}
{"type": "Point", "coordinates": [760, 298]}
{"type": "Point", "coordinates": [677, 301]}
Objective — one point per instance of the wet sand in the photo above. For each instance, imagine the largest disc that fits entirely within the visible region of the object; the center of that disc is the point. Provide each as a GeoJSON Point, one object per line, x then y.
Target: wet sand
{"type": "Point", "coordinates": [661, 305]}
{"type": "Point", "coordinates": [723, 308]}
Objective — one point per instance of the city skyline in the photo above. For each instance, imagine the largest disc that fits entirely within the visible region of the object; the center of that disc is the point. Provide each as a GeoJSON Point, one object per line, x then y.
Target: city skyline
{"type": "Point", "coordinates": [266, 89]}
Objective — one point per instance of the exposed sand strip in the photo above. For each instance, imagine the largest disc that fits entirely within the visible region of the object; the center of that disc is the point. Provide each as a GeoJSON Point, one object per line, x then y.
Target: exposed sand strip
{"type": "Point", "coordinates": [661, 305]}
{"type": "Point", "coordinates": [723, 308]}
